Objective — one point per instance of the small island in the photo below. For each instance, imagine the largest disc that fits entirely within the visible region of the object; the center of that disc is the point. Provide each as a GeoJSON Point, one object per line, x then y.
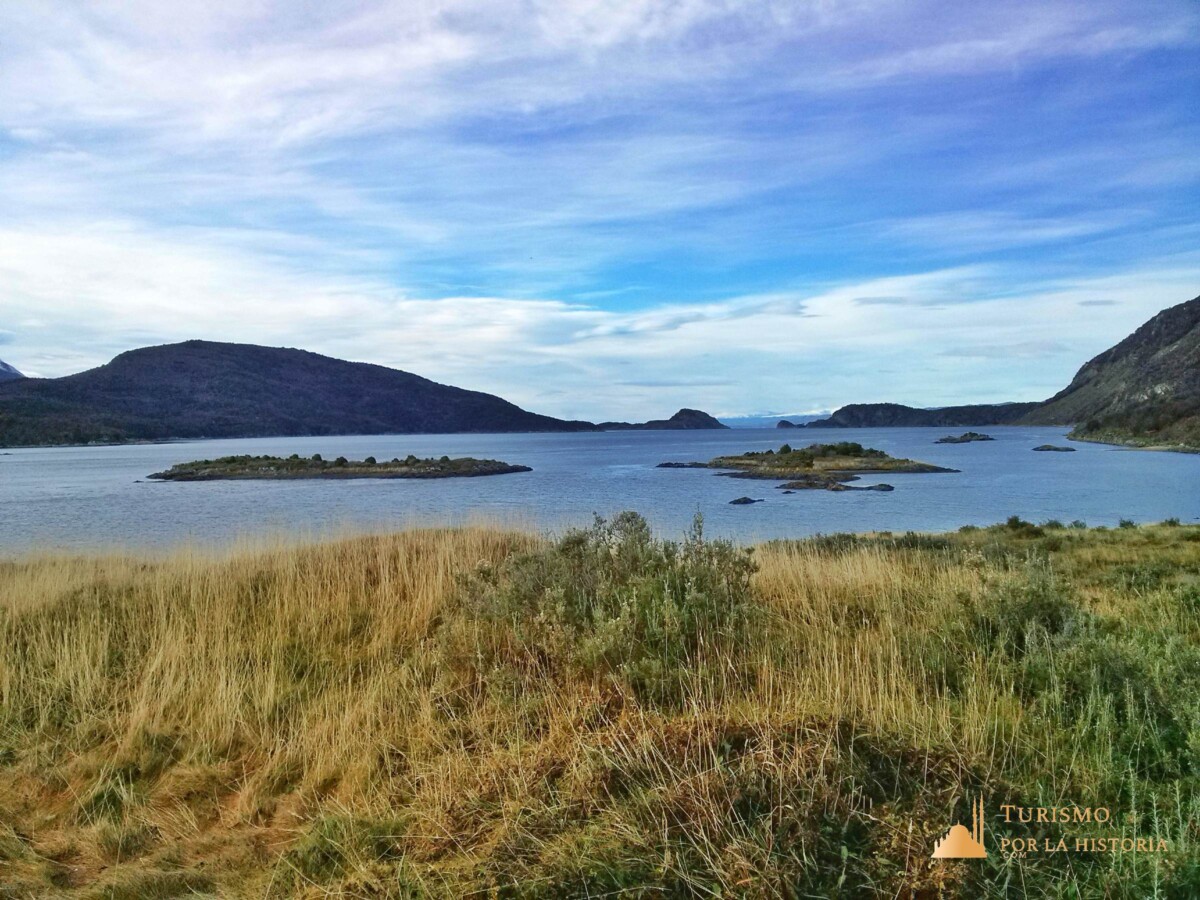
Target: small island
{"type": "Point", "coordinates": [1051, 448]}
{"type": "Point", "coordinates": [816, 467]}
{"type": "Point", "coordinates": [967, 437]}
{"type": "Point", "coordinates": [294, 466]}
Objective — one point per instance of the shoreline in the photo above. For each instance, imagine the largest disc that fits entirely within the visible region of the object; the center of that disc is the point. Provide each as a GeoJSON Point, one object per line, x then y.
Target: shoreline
{"type": "Point", "coordinates": [1130, 445]}
{"type": "Point", "coordinates": [269, 539]}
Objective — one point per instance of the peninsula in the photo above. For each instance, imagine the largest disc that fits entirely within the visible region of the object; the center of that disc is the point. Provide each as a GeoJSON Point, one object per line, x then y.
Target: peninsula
{"type": "Point", "coordinates": [684, 420]}
{"type": "Point", "coordinates": [277, 468]}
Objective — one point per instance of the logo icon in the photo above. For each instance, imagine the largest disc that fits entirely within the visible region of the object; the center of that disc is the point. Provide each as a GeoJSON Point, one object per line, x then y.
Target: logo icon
{"type": "Point", "coordinates": [958, 843]}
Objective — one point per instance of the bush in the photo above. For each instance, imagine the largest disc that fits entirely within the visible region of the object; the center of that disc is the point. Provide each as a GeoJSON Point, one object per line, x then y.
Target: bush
{"type": "Point", "coordinates": [1017, 613]}
{"type": "Point", "coordinates": [369, 461]}
{"type": "Point", "coordinates": [1025, 529]}
{"type": "Point", "coordinates": [613, 603]}
{"type": "Point", "coordinates": [341, 461]}
{"type": "Point", "coordinates": [316, 457]}
{"type": "Point", "coordinates": [915, 540]}
{"type": "Point", "coordinates": [1127, 684]}
{"type": "Point", "coordinates": [1140, 578]}
{"type": "Point", "coordinates": [839, 542]}
{"type": "Point", "coordinates": [1127, 523]}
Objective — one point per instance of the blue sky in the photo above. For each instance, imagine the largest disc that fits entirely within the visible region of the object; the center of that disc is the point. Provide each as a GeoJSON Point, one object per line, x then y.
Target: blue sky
{"type": "Point", "coordinates": [606, 210]}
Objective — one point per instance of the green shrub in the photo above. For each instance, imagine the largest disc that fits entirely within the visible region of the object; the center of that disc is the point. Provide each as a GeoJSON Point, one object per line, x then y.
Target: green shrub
{"type": "Point", "coordinates": [1019, 526]}
{"type": "Point", "coordinates": [1140, 578]}
{"type": "Point", "coordinates": [1126, 684]}
{"type": "Point", "coordinates": [1089, 675]}
{"type": "Point", "coordinates": [1017, 614]}
{"type": "Point", "coordinates": [839, 542]}
{"type": "Point", "coordinates": [915, 540]}
{"type": "Point", "coordinates": [611, 602]}
{"type": "Point", "coordinates": [1127, 523]}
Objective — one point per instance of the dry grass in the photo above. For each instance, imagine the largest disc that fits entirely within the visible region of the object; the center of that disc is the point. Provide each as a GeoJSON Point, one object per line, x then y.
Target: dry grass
{"type": "Point", "coordinates": [352, 719]}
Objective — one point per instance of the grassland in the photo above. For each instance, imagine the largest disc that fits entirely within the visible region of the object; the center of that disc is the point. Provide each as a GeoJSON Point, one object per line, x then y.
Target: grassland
{"type": "Point", "coordinates": [295, 466]}
{"type": "Point", "coordinates": [480, 713]}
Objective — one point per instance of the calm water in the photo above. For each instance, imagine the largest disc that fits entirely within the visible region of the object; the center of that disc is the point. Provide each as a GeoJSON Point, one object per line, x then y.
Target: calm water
{"type": "Point", "coordinates": [87, 497]}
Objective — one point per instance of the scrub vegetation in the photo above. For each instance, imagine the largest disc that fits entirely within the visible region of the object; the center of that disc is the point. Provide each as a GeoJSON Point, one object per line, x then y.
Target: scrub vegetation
{"type": "Point", "coordinates": [477, 712]}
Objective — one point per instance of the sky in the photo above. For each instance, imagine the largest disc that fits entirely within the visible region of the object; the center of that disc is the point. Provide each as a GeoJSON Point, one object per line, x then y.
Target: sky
{"type": "Point", "coordinates": [606, 210]}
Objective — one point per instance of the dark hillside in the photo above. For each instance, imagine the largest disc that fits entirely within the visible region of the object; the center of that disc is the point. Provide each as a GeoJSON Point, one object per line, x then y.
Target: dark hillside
{"type": "Point", "coordinates": [206, 389]}
{"type": "Point", "coordinates": [1145, 390]}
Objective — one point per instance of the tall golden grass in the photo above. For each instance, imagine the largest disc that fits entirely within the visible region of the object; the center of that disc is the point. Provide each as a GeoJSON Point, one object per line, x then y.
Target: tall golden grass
{"type": "Point", "coordinates": [279, 721]}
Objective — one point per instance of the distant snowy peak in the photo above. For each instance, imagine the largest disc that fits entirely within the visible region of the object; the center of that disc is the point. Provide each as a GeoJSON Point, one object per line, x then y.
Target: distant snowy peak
{"type": "Point", "coordinates": [8, 373]}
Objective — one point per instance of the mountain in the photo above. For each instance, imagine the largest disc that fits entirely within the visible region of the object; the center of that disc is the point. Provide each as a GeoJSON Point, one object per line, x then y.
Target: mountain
{"type": "Point", "coordinates": [8, 373]}
{"type": "Point", "coordinates": [1144, 391]}
{"type": "Point", "coordinates": [205, 389]}
{"type": "Point", "coordinates": [896, 415]}
{"type": "Point", "coordinates": [685, 419]}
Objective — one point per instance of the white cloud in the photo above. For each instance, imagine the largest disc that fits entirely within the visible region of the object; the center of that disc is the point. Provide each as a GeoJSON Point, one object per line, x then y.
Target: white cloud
{"type": "Point", "coordinates": [109, 287]}
{"type": "Point", "coordinates": [980, 230]}
{"type": "Point", "coordinates": [283, 73]}
{"type": "Point", "coordinates": [421, 184]}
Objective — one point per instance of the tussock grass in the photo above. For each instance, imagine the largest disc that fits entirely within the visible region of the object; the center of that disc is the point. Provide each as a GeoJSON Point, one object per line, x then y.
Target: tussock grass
{"type": "Point", "coordinates": [478, 712]}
